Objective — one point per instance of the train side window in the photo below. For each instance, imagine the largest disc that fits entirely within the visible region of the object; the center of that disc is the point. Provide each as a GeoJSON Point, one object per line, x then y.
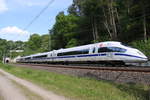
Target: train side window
{"type": "Point", "coordinates": [111, 49]}
{"type": "Point", "coordinates": [27, 58]}
{"type": "Point", "coordinates": [41, 56]}
{"type": "Point", "coordinates": [84, 51]}
{"type": "Point", "coordinates": [117, 49]}
{"type": "Point", "coordinates": [104, 49]}
{"type": "Point", "coordinates": [50, 55]}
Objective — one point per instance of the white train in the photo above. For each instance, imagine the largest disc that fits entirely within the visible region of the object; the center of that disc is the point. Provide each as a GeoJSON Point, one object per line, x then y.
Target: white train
{"type": "Point", "coordinates": [109, 52]}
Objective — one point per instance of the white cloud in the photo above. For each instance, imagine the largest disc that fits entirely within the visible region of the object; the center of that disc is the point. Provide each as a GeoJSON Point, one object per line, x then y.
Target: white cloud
{"type": "Point", "coordinates": [13, 30]}
{"type": "Point", "coordinates": [3, 6]}
{"type": "Point", "coordinates": [31, 2]}
{"type": "Point", "coordinates": [14, 33]}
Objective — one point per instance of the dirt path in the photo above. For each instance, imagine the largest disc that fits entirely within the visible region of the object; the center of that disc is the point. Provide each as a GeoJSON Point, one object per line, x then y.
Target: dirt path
{"type": "Point", "coordinates": [10, 91]}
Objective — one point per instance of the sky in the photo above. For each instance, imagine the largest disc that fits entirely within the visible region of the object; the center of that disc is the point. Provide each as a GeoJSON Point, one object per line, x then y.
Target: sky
{"type": "Point", "coordinates": [15, 15]}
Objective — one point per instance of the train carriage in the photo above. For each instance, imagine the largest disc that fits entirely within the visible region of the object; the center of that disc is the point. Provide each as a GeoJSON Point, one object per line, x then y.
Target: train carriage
{"type": "Point", "coordinates": [106, 52]}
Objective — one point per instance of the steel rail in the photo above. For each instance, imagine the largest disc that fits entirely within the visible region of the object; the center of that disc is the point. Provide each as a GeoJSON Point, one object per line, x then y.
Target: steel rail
{"type": "Point", "coordinates": [123, 69]}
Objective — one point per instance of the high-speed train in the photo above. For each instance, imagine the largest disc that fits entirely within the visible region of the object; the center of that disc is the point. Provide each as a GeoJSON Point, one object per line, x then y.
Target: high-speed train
{"type": "Point", "coordinates": [110, 52]}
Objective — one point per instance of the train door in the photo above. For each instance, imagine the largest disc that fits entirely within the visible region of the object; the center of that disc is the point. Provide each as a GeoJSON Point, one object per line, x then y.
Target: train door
{"type": "Point", "coordinates": [92, 52]}
{"type": "Point", "coordinates": [105, 53]}
{"type": "Point", "coordinates": [49, 57]}
{"type": "Point", "coordinates": [109, 53]}
{"type": "Point", "coordinates": [54, 54]}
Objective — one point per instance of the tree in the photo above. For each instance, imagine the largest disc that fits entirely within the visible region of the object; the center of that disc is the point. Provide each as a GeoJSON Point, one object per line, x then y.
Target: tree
{"type": "Point", "coordinates": [63, 30]}
{"type": "Point", "coordinates": [34, 42]}
{"type": "Point", "coordinates": [101, 20]}
{"type": "Point", "coordinates": [44, 43]}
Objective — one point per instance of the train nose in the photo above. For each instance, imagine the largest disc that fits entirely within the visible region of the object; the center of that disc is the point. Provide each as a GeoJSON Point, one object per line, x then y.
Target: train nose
{"type": "Point", "coordinates": [145, 59]}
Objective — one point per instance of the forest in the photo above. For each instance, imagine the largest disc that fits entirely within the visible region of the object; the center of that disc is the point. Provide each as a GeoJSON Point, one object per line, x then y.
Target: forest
{"type": "Point", "coordinates": [91, 21]}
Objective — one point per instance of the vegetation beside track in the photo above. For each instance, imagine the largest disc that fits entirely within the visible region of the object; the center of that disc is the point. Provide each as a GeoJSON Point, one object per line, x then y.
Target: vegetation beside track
{"type": "Point", "coordinates": [80, 88]}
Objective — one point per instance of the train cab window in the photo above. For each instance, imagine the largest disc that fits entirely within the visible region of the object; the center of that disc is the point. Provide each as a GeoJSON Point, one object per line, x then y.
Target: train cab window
{"type": "Point", "coordinates": [111, 49]}
{"type": "Point", "coordinates": [125, 45]}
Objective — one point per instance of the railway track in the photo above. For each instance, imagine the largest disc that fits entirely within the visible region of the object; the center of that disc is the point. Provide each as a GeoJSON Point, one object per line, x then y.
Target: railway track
{"type": "Point", "coordinates": [121, 74]}
{"type": "Point", "coordinates": [143, 69]}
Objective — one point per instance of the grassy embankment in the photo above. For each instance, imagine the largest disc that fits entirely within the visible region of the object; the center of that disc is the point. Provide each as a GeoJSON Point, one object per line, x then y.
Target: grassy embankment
{"type": "Point", "coordinates": [80, 88]}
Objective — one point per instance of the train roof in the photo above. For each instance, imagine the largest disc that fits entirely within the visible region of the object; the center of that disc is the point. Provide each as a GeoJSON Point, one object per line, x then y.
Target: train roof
{"type": "Point", "coordinates": [107, 43]}
{"type": "Point", "coordinates": [39, 54]}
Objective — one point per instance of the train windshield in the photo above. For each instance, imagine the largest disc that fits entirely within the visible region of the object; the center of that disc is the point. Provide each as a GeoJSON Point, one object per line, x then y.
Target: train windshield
{"type": "Point", "coordinates": [126, 45]}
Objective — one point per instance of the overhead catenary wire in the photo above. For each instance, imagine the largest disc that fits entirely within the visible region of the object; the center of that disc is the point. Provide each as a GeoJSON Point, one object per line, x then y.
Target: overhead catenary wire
{"type": "Point", "coordinates": [39, 14]}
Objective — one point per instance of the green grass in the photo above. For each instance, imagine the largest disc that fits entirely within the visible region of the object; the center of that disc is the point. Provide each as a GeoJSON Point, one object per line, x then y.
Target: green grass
{"type": "Point", "coordinates": [80, 88]}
